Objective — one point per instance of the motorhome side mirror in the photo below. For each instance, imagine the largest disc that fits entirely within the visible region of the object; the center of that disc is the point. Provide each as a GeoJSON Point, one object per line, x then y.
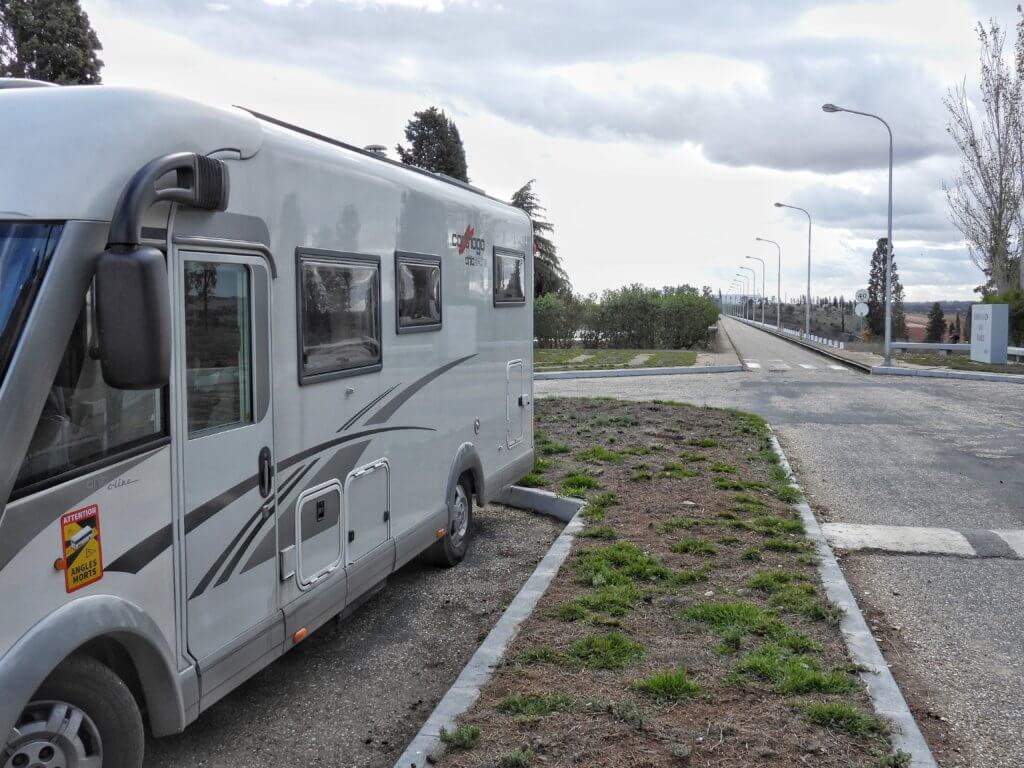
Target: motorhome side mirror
{"type": "Point", "coordinates": [133, 316]}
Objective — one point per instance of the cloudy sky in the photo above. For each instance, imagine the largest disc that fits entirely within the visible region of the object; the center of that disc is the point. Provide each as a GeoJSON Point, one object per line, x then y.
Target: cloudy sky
{"type": "Point", "coordinates": [660, 132]}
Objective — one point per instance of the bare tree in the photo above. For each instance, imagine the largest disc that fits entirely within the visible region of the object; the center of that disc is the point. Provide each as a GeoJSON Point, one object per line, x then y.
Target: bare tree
{"type": "Point", "coordinates": [986, 199]}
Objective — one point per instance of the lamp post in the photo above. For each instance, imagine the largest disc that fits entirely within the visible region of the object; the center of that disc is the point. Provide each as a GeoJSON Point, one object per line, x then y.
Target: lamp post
{"type": "Point", "coordinates": [763, 279]}
{"type": "Point", "coordinates": [753, 277]}
{"type": "Point", "coordinates": [778, 295]}
{"type": "Point", "coordinates": [807, 320]}
{"type": "Point", "coordinates": [888, 255]}
{"type": "Point", "coordinates": [746, 291]}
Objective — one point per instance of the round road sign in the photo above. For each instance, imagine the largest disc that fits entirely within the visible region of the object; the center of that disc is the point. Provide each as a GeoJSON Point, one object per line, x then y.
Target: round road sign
{"type": "Point", "coordinates": [861, 295]}
{"type": "Point", "coordinates": [861, 310]}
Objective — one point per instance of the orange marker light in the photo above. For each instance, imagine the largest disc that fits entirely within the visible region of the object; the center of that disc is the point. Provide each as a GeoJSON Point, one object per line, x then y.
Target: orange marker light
{"type": "Point", "coordinates": [440, 533]}
{"type": "Point", "coordinates": [58, 564]}
{"type": "Point", "coordinates": [300, 635]}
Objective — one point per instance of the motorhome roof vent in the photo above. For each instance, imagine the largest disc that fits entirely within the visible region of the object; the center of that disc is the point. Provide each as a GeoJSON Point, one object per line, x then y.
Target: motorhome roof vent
{"type": "Point", "coordinates": [377, 149]}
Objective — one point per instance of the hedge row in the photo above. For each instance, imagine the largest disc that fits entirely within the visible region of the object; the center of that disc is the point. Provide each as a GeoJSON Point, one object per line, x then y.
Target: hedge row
{"type": "Point", "coordinates": [632, 317]}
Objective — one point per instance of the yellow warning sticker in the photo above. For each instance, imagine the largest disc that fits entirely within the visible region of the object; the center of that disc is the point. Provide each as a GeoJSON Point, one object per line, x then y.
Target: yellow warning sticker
{"type": "Point", "coordinates": [80, 542]}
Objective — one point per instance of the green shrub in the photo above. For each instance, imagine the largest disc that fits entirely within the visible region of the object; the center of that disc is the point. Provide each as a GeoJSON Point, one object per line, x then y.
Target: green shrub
{"type": "Point", "coordinates": [463, 737]}
{"type": "Point", "coordinates": [599, 453]}
{"type": "Point", "coordinates": [842, 717]}
{"type": "Point", "coordinates": [668, 685]}
{"type": "Point", "coordinates": [517, 758]}
{"type": "Point", "coordinates": [610, 651]}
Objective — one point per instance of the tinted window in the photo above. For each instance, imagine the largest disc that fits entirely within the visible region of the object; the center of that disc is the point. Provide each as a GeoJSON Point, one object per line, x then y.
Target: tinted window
{"type": "Point", "coordinates": [25, 250]}
{"type": "Point", "coordinates": [84, 420]}
{"type": "Point", "coordinates": [509, 269]}
{"type": "Point", "coordinates": [418, 285]}
{"type": "Point", "coordinates": [218, 346]}
{"type": "Point", "coordinates": [340, 315]}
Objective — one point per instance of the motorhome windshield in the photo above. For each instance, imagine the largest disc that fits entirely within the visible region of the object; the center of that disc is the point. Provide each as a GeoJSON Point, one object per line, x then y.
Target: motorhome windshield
{"type": "Point", "coordinates": [25, 250]}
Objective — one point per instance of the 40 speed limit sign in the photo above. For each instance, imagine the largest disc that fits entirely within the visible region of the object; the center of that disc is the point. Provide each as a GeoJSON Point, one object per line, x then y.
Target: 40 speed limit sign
{"type": "Point", "coordinates": [80, 544]}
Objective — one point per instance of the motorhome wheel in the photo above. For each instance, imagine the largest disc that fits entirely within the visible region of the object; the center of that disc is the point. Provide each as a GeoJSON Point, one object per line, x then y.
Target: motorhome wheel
{"type": "Point", "coordinates": [450, 550]}
{"type": "Point", "coordinates": [82, 716]}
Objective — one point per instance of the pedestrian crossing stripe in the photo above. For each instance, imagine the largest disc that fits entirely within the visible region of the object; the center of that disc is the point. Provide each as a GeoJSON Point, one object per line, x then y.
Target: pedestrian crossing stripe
{"type": "Point", "coordinates": [838, 367]}
{"type": "Point", "coordinates": [806, 367]}
{"type": "Point", "coordinates": [752, 364]}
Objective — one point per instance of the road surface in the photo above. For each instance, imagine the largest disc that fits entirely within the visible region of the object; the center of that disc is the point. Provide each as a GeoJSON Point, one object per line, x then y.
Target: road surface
{"type": "Point", "coordinates": [944, 456]}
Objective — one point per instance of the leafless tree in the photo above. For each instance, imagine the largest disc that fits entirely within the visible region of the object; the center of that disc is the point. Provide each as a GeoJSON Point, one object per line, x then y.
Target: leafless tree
{"type": "Point", "coordinates": [986, 199]}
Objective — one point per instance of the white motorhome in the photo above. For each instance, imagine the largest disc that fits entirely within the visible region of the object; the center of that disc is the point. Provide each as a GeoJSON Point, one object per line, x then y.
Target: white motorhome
{"type": "Point", "coordinates": [246, 372]}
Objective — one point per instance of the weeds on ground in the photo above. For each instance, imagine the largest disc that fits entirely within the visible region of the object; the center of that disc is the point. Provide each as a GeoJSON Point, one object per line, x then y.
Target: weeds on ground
{"type": "Point", "coordinates": [791, 673]}
{"type": "Point", "coordinates": [723, 468]}
{"type": "Point", "coordinates": [773, 526]}
{"type": "Point", "coordinates": [463, 737]}
{"type": "Point", "coordinates": [617, 564]}
{"type": "Point", "coordinates": [692, 575]}
{"type": "Point", "coordinates": [784, 545]}
{"type": "Point", "coordinates": [692, 458]}
{"type": "Point", "coordinates": [542, 654]}
{"type": "Point", "coordinates": [542, 465]}
{"type": "Point", "coordinates": [899, 759]}
{"type": "Point", "coordinates": [751, 553]}
{"type": "Point", "coordinates": [518, 758]}
{"type": "Point", "coordinates": [678, 524]}
{"type": "Point", "coordinates": [677, 472]}
{"type": "Point", "coordinates": [610, 651]}
{"type": "Point", "coordinates": [599, 453]}
{"type": "Point", "coordinates": [702, 442]}
{"type": "Point", "coordinates": [668, 685]}
{"type": "Point", "coordinates": [694, 545]}
{"type": "Point", "coordinates": [578, 483]}
{"type": "Point", "coordinates": [532, 480]}
{"type": "Point", "coordinates": [628, 712]}
{"type": "Point", "coordinates": [640, 473]}
{"type": "Point", "coordinates": [842, 717]}
{"type": "Point", "coordinates": [535, 704]}
{"type": "Point", "coordinates": [638, 450]}
{"type": "Point", "coordinates": [597, 506]}
{"type": "Point", "coordinates": [547, 446]}
{"type": "Point", "coordinates": [598, 532]}
{"type": "Point", "coordinates": [614, 599]}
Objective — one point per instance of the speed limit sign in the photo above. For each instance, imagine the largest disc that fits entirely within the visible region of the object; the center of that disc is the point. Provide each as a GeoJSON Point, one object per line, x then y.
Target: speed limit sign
{"type": "Point", "coordinates": [861, 295]}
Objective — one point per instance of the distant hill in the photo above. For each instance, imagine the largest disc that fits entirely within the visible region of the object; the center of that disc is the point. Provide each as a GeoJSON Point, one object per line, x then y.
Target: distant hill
{"type": "Point", "coordinates": [948, 307]}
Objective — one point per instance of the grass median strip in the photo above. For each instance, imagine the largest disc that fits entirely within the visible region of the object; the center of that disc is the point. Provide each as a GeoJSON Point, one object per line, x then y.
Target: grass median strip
{"type": "Point", "coordinates": [689, 606]}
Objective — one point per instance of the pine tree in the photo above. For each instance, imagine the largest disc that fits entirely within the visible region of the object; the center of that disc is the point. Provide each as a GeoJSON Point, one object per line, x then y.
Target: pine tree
{"type": "Point", "coordinates": [876, 295]}
{"type": "Point", "coordinates": [434, 144]}
{"type": "Point", "coordinates": [49, 40]}
{"type": "Point", "coordinates": [936, 327]}
{"type": "Point", "coordinates": [548, 274]}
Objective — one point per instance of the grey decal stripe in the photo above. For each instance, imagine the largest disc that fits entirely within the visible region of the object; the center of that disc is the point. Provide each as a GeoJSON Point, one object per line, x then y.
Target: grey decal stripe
{"type": "Point", "coordinates": [24, 520]}
{"type": "Point", "coordinates": [208, 509]}
{"type": "Point", "coordinates": [143, 553]}
{"type": "Point", "coordinates": [208, 576]}
{"type": "Point", "coordinates": [362, 411]}
{"type": "Point", "coordinates": [344, 439]}
{"type": "Point", "coordinates": [389, 410]}
{"type": "Point", "coordinates": [296, 479]}
{"type": "Point", "coordinates": [241, 551]}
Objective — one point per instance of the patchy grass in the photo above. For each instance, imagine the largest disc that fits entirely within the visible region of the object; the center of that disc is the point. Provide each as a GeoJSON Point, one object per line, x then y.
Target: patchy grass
{"type": "Point", "coordinates": [548, 447]}
{"type": "Point", "coordinates": [609, 651]}
{"type": "Point", "coordinates": [532, 480]}
{"type": "Point", "coordinates": [517, 758]}
{"type": "Point", "coordinates": [668, 685]}
{"type": "Point", "coordinates": [723, 584]}
{"type": "Point", "coordinates": [578, 483]}
{"type": "Point", "coordinates": [958, 362]}
{"type": "Point", "coordinates": [694, 545]}
{"type": "Point", "coordinates": [599, 453]}
{"type": "Point", "coordinates": [840, 716]}
{"type": "Point", "coordinates": [535, 705]}
{"type": "Point", "coordinates": [463, 737]}
{"type": "Point", "coordinates": [609, 359]}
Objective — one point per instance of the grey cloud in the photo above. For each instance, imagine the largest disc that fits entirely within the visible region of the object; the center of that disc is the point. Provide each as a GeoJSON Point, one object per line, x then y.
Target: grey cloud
{"type": "Point", "coordinates": [499, 57]}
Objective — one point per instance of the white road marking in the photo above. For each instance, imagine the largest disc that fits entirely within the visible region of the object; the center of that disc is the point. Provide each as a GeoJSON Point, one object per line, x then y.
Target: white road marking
{"type": "Point", "coordinates": [899, 538]}
{"type": "Point", "coordinates": [839, 368]}
{"type": "Point", "coordinates": [806, 367]}
{"type": "Point", "coordinates": [752, 364]}
{"type": "Point", "coordinates": [777, 365]}
{"type": "Point", "coordinates": [1014, 538]}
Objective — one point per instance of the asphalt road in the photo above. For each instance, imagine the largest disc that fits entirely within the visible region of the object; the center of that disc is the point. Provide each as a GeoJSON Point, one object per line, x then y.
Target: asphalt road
{"type": "Point", "coordinates": [899, 451]}
{"type": "Point", "coordinates": [354, 694]}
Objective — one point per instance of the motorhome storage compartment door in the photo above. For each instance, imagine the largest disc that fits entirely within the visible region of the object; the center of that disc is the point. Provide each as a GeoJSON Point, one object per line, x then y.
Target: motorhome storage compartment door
{"type": "Point", "coordinates": [368, 508]}
{"type": "Point", "coordinates": [319, 531]}
{"type": "Point", "coordinates": [515, 405]}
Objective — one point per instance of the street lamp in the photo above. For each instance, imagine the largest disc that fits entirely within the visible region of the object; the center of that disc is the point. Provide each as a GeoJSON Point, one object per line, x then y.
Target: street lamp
{"type": "Point", "coordinates": [753, 276]}
{"type": "Point", "coordinates": [746, 291]}
{"type": "Point", "coordinates": [763, 279]}
{"type": "Point", "coordinates": [807, 321]}
{"type": "Point", "coordinates": [888, 254]}
{"type": "Point", "coordinates": [778, 296]}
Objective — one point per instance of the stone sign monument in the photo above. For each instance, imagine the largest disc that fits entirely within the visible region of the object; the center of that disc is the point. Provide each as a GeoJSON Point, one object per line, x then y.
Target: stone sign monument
{"type": "Point", "coordinates": [990, 326]}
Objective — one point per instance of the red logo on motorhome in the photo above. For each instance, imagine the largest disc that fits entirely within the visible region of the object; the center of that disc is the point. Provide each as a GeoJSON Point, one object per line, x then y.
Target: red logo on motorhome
{"type": "Point", "coordinates": [467, 240]}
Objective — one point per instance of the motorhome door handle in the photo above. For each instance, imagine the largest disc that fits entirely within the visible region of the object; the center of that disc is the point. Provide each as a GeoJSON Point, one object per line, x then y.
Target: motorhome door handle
{"type": "Point", "coordinates": [524, 400]}
{"type": "Point", "coordinates": [265, 472]}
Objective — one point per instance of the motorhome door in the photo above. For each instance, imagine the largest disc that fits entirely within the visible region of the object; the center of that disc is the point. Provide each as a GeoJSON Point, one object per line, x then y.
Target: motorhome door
{"type": "Point", "coordinates": [227, 461]}
{"type": "Point", "coordinates": [517, 399]}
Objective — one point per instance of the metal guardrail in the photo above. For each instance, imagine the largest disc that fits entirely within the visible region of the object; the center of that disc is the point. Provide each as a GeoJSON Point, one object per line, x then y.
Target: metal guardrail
{"type": "Point", "coordinates": [809, 342]}
{"type": "Point", "coordinates": [929, 346]}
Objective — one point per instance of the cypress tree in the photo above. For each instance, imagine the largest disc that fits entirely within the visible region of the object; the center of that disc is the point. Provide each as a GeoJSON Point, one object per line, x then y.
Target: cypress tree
{"type": "Point", "coordinates": [936, 327]}
{"type": "Point", "coordinates": [548, 274]}
{"type": "Point", "coordinates": [49, 40]}
{"type": "Point", "coordinates": [434, 144]}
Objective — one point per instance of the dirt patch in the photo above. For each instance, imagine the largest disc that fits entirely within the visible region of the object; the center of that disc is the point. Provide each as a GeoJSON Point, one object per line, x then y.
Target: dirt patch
{"type": "Point", "coordinates": [687, 626]}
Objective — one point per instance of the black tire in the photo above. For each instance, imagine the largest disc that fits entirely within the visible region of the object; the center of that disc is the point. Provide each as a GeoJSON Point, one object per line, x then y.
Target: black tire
{"type": "Point", "coordinates": [448, 551]}
{"type": "Point", "coordinates": [92, 688]}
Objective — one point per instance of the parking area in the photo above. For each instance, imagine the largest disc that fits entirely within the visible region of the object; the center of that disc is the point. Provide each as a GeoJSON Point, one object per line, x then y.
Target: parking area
{"type": "Point", "coordinates": [355, 693]}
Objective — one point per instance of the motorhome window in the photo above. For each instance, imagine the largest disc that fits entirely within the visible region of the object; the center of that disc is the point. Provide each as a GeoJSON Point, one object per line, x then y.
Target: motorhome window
{"type": "Point", "coordinates": [25, 250]}
{"type": "Point", "coordinates": [85, 421]}
{"type": "Point", "coordinates": [418, 289]}
{"type": "Point", "coordinates": [339, 315]}
{"type": "Point", "coordinates": [218, 346]}
{"type": "Point", "coordinates": [509, 274]}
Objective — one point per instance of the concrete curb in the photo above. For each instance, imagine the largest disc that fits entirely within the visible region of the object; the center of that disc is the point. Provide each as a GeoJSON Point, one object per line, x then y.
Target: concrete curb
{"type": "Point", "coordinates": [478, 671]}
{"type": "Point", "coordinates": [882, 688]}
{"type": "Point", "coordinates": [608, 374]}
{"type": "Point", "coordinates": [935, 373]}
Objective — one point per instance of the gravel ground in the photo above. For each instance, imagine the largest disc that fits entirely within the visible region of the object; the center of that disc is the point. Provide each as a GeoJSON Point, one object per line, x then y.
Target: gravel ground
{"type": "Point", "coordinates": [355, 693]}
